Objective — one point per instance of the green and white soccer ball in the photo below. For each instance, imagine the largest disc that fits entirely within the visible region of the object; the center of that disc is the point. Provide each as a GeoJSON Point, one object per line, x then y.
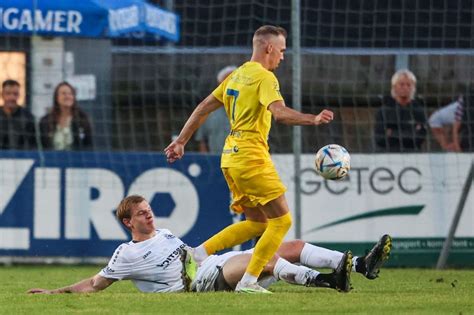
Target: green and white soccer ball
{"type": "Point", "coordinates": [333, 162]}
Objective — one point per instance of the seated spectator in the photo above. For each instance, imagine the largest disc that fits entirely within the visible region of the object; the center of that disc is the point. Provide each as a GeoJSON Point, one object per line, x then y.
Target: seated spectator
{"type": "Point", "coordinates": [211, 135]}
{"type": "Point", "coordinates": [66, 127]}
{"type": "Point", "coordinates": [446, 117]}
{"type": "Point", "coordinates": [463, 130]}
{"type": "Point", "coordinates": [17, 124]}
{"type": "Point", "coordinates": [400, 122]}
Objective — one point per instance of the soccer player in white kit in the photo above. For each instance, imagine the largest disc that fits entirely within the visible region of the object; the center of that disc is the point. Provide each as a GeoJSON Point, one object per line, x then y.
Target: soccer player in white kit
{"type": "Point", "coordinates": [157, 261]}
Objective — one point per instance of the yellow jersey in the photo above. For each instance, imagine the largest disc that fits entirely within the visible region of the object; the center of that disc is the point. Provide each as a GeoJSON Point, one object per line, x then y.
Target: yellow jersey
{"type": "Point", "coordinates": [246, 94]}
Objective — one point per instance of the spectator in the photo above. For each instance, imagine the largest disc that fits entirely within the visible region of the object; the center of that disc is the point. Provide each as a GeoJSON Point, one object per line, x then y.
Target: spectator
{"type": "Point", "coordinates": [66, 127]}
{"type": "Point", "coordinates": [446, 117]}
{"type": "Point", "coordinates": [400, 122]}
{"type": "Point", "coordinates": [17, 124]}
{"type": "Point", "coordinates": [212, 134]}
{"type": "Point", "coordinates": [463, 130]}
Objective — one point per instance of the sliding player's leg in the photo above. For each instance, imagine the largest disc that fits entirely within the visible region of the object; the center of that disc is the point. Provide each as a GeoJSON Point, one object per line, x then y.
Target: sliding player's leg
{"type": "Point", "coordinates": [297, 251]}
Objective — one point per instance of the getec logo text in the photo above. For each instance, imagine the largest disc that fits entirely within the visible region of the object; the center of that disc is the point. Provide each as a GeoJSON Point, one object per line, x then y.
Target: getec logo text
{"type": "Point", "coordinates": [379, 180]}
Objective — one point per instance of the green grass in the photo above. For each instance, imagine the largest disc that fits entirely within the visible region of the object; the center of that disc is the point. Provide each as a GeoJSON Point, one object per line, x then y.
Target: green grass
{"type": "Point", "coordinates": [397, 291]}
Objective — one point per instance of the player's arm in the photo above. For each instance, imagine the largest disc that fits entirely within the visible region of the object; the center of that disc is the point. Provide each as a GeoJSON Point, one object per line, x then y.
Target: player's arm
{"type": "Point", "coordinates": [175, 150]}
{"type": "Point", "coordinates": [288, 116]}
{"type": "Point", "coordinates": [89, 285]}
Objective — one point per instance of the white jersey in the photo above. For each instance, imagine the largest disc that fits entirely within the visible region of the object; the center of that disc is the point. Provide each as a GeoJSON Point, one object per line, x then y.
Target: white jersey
{"type": "Point", "coordinates": [153, 265]}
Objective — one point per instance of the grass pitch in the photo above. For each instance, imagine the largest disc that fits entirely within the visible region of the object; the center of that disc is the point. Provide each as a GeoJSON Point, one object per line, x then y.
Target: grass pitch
{"type": "Point", "coordinates": [397, 291]}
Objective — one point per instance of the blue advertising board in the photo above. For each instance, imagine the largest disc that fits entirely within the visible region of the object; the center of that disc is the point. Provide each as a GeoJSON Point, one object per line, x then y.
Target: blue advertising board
{"type": "Point", "coordinates": [87, 18]}
{"type": "Point", "coordinates": [63, 203]}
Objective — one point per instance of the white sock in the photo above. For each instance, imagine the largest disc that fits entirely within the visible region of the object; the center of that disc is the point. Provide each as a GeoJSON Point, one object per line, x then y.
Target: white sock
{"type": "Point", "coordinates": [354, 262]}
{"type": "Point", "coordinates": [290, 273]}
{"type": "Point", "coordinates": [248, 278]}
{"type": "Point", "coordinates": [200, 254]}
{"type": "Point", "coordinates": [267, 281]}
{"type": "Point", "coordinates": [319, 257]}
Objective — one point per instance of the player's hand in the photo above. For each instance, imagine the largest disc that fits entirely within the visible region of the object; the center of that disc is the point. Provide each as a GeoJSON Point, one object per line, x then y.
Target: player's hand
{"type": "Point", "coordinates": [324, 117]}
{"type": "Point", "coordinates": [39, 291]}
{"type": "Point", "coordinates": [174, 151]}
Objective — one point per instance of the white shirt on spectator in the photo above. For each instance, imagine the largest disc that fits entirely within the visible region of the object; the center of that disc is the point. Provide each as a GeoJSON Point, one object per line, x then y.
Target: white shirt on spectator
{"type": "Point", "coordinates": [447, 115]}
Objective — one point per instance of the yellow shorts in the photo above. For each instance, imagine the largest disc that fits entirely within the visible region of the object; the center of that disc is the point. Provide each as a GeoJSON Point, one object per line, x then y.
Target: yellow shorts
{"type": "Point", "coordinates": [253, 186]}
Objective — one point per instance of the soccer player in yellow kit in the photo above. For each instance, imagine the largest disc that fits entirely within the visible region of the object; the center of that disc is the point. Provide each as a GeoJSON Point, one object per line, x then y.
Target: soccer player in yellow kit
{"type": "Point", "coordinates": [251, 97]}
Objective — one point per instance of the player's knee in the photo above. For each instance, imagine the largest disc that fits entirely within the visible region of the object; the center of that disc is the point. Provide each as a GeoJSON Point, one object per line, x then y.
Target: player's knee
{"type": "Point", "coordinates": [297, 245]}
{"type": "Point", "coordinates": [296, 249]}
{"type": "Point", "coordinates": [282, 223]}
{"type": "Point", "coordinates": [258, 227]}
{"type": "Point", "coordinates": [291, 250]}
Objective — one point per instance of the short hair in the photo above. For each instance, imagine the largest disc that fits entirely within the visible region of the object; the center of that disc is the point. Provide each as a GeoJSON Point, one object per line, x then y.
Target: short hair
{"type": "Point", "coordinates": [224, 72]}
{"type": "Point", "coordinates": [10, 82]}
{"type": "Point", "coordinates": [271, 30]}
{"type": "Point", "coordinates": [124, 209]}
{"type": "Point", "coordinates": [405, 73]}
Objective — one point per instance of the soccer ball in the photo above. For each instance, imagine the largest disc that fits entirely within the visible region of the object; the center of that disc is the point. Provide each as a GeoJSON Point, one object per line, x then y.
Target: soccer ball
{"type": "Point", "coordinates": [333, 162]}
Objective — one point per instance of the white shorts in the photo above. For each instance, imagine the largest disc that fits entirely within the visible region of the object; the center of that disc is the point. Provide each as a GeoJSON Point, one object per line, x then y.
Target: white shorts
{"type": "Point", "coordinates": [209, 271]}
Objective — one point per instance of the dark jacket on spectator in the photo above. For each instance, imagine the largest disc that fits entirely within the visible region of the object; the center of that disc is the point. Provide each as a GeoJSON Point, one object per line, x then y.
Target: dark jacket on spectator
{"type": "Point", "coordinates": [406, 122]}
{"type": "Point", "coordinates": [80, 128]}
{"type": "Point", "coordinates": [17, 132]}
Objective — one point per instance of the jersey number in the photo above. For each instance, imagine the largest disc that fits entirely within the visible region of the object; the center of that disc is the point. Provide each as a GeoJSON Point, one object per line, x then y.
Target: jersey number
{"type": "Point", "coordinates": [235, 94]}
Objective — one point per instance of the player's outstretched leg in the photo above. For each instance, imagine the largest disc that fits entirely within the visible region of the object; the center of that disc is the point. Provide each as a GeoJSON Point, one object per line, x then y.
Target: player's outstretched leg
{"type": "Point", "coordinates": [370, 264]}
{"type": "Point", "coordinates": [339, 279]}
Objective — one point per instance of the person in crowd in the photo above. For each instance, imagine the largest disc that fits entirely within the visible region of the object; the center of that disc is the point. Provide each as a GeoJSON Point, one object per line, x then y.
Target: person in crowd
{"type": "Point", "coordinates": [17, 124]}
{"type": "Point", "coordinates": [66, 126]}
{"type": "Point", "coordinates": [400, 122]}
{"type": "Point", "coordinates": [442, 123]}
{"type": "Point", "coordinates": [463, 130]}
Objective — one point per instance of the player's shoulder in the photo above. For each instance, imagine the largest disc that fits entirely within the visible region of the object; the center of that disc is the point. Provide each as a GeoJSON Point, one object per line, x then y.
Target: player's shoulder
{"type": "Point", "coordinates": [165, 233]}
{"type": "Point", "coordinates": [122, 251]}
{"type": "Point", "coordinates": [255, 69]}
{"type": "Point", "coordinates": [265, 73]}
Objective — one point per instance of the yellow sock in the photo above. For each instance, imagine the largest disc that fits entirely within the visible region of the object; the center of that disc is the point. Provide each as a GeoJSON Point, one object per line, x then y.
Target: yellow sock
{"type": "Point", "coordinates": [234, 234]}
{"type": "Point", "coordinates": [269, 243]}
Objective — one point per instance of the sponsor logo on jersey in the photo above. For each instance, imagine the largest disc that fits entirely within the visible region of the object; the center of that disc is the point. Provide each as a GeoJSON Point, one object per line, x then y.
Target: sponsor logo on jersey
{"type": "Point", "coordinates": [172, 257]}
{"type": "Point", "coordinates": [108, 270]}
{"type": "Point", "coordinates": [147, 254]}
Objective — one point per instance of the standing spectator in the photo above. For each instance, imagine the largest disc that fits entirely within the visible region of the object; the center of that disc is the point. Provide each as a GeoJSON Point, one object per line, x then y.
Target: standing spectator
{"type": "Point", "coordinates": [212, 134]}
{"type": "Point", "coordinates": [17, 124]}
{"type": "Point", "coordinates": [400, 122]}
{"type": "Point", "coordinates": [445, 117]}
{"type": "Point", "coordinates": [66, 127]}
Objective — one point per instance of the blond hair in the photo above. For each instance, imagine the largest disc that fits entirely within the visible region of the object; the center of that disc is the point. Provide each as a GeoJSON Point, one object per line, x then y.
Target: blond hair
{"type": "Point", "coordinates": [124, 209]}
{"type": "Point", "coordinates": [404, 73]}
{"type": "Point", "coordinates": [270, 30]}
